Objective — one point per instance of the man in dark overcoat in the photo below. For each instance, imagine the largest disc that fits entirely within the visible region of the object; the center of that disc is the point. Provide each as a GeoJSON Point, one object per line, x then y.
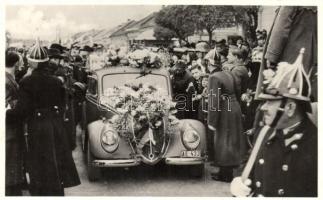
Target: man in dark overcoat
{"type": "Point", "coordinates": [224, 111]}
{"type": "Point", "coordinates": [14, 135]}
{"type": "Point", "coordinates": [41, 103]}
{"type": "Point", "coordinates": [286, 162]}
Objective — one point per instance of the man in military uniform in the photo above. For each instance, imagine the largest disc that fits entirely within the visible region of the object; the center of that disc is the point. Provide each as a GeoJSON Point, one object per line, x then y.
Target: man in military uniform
{"type": "Point", "coordinates": [41, 103]}
{"type": "Point", "coordinates": [294, 27]}
{"type": "Point", "coordinates": [286, 162]}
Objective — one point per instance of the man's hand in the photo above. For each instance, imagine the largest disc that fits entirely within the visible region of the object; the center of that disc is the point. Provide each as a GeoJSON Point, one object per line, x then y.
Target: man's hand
{"type": "Point", "coordinates": [271, 65]}
{"type": "Point", "coordinates": [240, 189]}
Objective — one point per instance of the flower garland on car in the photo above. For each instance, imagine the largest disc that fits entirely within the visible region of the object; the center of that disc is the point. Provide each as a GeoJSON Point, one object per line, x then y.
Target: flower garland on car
{"type": "Point", "coordinates": [140, 107]}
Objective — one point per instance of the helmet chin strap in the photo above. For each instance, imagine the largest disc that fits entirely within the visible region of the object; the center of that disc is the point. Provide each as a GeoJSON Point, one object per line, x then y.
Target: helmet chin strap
{"type": "Point", "coordinates": [279, 113]}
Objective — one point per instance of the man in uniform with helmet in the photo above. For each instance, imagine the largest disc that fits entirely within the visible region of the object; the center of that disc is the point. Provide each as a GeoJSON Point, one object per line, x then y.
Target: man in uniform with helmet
{"type": "Point", "coordinates": [41, 103]}
{"type": "Point", "coordinates": [286, 162]}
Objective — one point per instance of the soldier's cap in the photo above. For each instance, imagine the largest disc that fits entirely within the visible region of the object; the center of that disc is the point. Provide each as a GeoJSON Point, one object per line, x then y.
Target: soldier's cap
{"type": "Point", "coordinates": [289, 81]}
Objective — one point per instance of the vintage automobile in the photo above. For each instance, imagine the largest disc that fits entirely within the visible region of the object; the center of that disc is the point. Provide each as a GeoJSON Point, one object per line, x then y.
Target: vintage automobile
{"type": "Point", "coordinates": [105, 147]}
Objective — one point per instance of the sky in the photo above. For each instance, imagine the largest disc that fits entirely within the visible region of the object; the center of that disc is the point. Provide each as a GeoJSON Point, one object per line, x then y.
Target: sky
{"type": "Point", "coordinates": [29, 22]}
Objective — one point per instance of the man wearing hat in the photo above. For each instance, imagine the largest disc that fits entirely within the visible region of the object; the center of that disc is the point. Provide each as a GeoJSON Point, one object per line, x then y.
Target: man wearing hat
{"type": "Point", "coordinates": [285, 165]}
{"type": "Point", "coordinates": [183, 87]}
{"type": "Point", "coordinates": [41, 103]}
{"type": "Point", "coordinates": [224, 123]}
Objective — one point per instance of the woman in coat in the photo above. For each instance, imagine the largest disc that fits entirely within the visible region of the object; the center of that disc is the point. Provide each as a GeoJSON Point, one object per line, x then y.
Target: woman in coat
{"type": "Point", "coordinates": [41, 103]}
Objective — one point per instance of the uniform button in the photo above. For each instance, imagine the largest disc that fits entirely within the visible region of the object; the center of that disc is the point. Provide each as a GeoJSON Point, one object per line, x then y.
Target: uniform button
{"type": "Point", "coordinates": [57, 111]}
{"type": "Point", "coordinates": [261, 161]}
{"type": "Point", "coordinates": [281, 192]}
{"type": "Point", "coordinates": [294, 147]}
{"type": "Point", "coordinates": [38, 114]}
{"type": "Point", "coordinates": [258, 184]}
{"type": "Point", "coordinates": [56, 107]}
{"type": "Point", "coordinates": [285, 168]}
{"type": "Point", "coordinates": [67, 119]}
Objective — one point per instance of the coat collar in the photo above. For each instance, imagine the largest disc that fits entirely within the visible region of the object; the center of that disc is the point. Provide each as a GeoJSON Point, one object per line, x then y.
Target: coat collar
{"type": "Point", "coordinates": [290, 135]}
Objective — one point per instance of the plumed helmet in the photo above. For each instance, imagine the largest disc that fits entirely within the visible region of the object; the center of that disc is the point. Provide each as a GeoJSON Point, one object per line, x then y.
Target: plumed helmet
{"type": "Point", "coordinates": [202, 47]}
{"type": "Point", "coordinates": [213, 57]}
{"type": "Point", "coordinates": [38, 53]}
{"type": "Point", "coordinates": [289, 81]}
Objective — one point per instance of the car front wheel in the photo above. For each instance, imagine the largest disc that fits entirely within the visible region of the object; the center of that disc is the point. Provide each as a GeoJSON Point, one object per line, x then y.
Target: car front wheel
{"type": "Point", "coordinates": [94, 173]}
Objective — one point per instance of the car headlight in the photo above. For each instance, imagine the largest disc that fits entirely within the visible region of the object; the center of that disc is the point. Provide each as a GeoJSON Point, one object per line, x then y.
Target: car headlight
{"type": "Point", "coordinates": [110, 140]}
{"type": "Point", "coordinates": [191, 139]}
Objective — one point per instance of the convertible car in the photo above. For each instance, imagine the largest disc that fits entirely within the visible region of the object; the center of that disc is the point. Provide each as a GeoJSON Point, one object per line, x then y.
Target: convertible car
{"type": "Point", "coordinates": [105, 147]}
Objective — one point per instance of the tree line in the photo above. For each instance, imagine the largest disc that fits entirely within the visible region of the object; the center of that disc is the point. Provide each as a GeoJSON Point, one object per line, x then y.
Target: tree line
{"type": "Point", "coordinates": [181, 21]}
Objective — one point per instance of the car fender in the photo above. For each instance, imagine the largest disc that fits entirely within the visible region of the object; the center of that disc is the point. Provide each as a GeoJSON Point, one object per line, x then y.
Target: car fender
{"type": "Point", "coordinates": [124, 149]}
{"type": "Point", "coordinates": [176, 146]}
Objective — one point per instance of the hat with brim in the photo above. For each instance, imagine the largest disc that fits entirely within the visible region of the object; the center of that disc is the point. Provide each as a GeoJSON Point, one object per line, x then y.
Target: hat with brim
{"type": "Point", "coordinates": [87, 48]}
{"type": "Point", "coordinates": [54, 53]}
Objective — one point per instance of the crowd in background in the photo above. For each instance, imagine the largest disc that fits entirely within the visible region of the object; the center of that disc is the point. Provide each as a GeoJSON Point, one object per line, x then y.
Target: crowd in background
{"type": "Point", "coordinates": [217, 85]}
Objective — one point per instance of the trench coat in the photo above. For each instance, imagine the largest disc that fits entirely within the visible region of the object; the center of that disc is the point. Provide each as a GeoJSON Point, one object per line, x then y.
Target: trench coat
{"type": "Point", "coordinates": [14, 138]}
{"type": "Point", "coordinates": [49, 158]}
{"type": "Point", "coordinates": [287, 171]}
{"type": "Point", "coordinates": [294, 27]}
{"type": "Point", "coordinates": [225, 119]}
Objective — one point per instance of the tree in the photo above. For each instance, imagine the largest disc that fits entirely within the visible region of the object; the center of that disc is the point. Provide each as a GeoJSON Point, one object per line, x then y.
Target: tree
{"type": "Point", "coordinates": [247, 17]}
{"type": "Point", "coordinates": [209, 18]}
{"type": "Point", "coordinates": [177, 19]}
{"type": "Point", "coordinates": [162, 33]}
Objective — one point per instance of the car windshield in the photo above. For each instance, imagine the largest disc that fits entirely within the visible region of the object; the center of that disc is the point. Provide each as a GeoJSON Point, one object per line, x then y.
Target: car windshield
{"type": "Point", "coordinates": [111, 80]}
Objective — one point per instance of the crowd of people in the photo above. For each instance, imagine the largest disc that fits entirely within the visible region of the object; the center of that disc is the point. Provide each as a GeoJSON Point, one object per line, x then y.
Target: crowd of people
{"type": "Point", "coordinates": [239, 90]}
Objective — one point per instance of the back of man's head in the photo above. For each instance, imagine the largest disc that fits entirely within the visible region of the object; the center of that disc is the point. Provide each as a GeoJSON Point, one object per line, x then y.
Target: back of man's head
{"type": "Point", "coordinates": [11, 59]}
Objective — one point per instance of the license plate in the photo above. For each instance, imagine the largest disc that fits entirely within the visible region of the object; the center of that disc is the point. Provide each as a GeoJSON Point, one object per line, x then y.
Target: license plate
{"type": "Point", "coordinates": [191, 154]}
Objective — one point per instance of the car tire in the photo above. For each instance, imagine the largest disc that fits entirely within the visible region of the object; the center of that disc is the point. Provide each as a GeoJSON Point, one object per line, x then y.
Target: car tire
{"type": "Point", "coordinates": [196, 171]}
{"type": "Point", "coordinates": [94, 173]}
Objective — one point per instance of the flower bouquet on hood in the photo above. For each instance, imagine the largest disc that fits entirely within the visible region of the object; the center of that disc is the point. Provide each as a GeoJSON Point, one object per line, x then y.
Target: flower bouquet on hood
{"type": "Point", "coordinates": [140, 106]}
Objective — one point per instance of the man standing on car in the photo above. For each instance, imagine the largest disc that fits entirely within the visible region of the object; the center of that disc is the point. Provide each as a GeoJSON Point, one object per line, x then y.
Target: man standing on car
{"type": "Point", "coordinates": [41, 104]}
